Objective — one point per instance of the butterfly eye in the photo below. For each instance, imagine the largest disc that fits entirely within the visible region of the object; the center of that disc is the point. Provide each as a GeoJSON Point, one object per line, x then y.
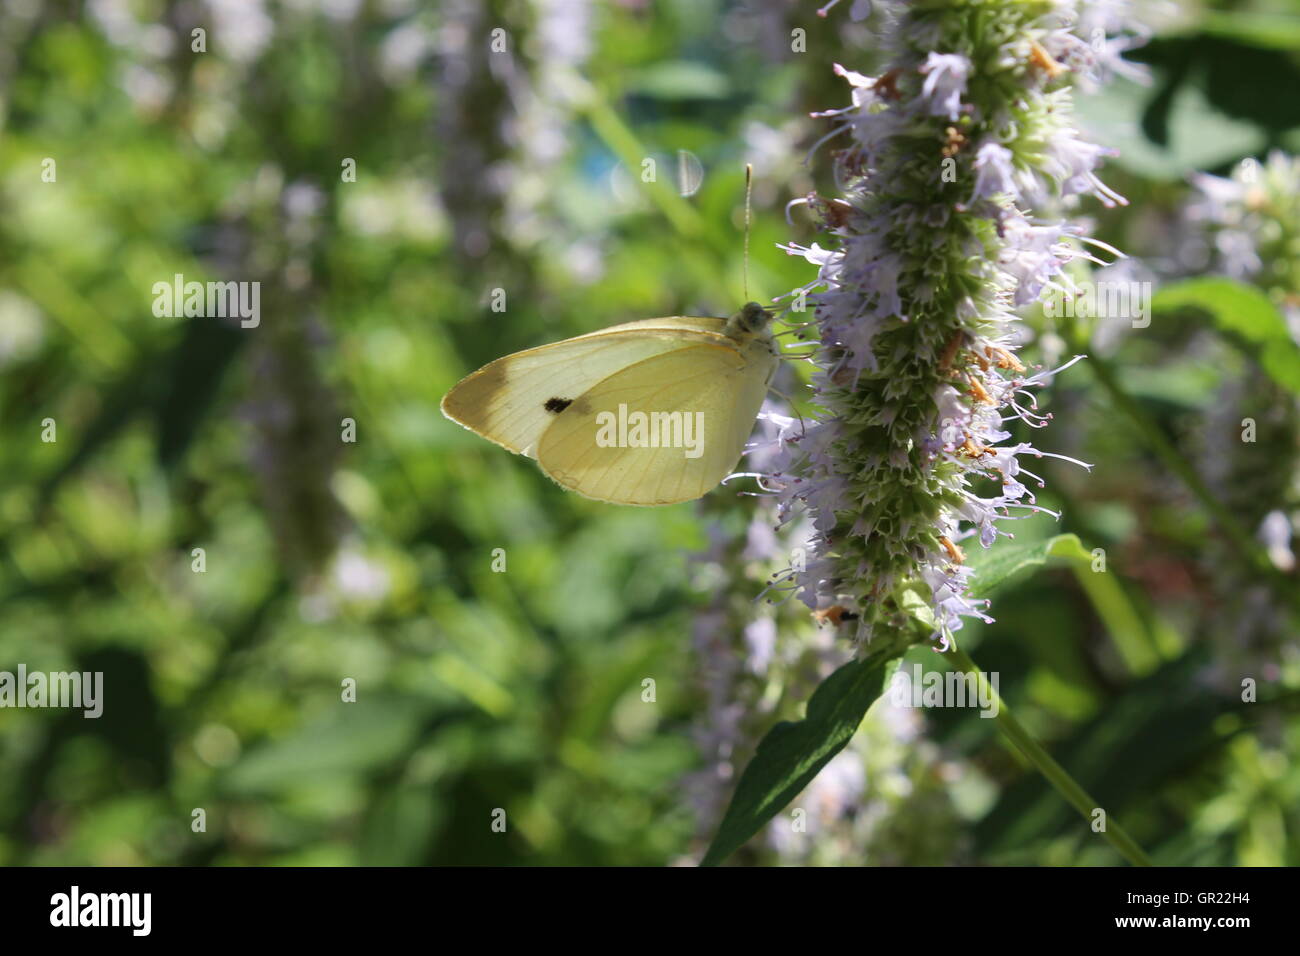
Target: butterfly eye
{"type": "Point", "coordinates": [757, 317]}
{"type": "Point", "coordinates": [752, 317]}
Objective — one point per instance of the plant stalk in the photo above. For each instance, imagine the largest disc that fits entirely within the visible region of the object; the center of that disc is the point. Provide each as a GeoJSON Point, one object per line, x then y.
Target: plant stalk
{"type": "Point", "coordinates": [1057, 775]}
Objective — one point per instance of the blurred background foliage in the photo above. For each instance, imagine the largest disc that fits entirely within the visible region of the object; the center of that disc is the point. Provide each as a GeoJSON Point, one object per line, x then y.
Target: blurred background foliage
{"type": "Point", "coordinates": [373, 560]}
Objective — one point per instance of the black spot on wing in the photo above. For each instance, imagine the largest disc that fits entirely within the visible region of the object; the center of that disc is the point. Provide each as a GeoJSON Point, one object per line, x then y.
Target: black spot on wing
{"type": "Point", "coordinates": [557, 405]}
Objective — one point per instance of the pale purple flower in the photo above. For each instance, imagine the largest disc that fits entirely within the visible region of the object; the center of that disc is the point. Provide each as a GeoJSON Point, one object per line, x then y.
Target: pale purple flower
{"type": "Point", "coordinates": [945, 83]}
{"type": "Point", "coordinates": [995, 172]}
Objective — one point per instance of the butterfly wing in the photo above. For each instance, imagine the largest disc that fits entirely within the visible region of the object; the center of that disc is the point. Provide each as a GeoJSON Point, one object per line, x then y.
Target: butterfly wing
{"type": "Point", "coordinates": [717, 388]}
{"type": "Point", "coordinates": [513, 400]}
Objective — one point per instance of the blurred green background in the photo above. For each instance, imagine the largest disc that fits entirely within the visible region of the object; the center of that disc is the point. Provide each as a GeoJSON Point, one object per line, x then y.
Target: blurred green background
{"type": "Point", "coordinates": [372, 560]}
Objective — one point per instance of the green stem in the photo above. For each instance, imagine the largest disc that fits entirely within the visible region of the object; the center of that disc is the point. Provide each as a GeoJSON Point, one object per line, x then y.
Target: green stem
{"type": "Point", "coordinates": [1120, 619]}
{"type": "Point", "coordinates": [618, 136]}
{"type": "Point", "coordinates": [1057, 775]}
{"type": "Point", "coordinates": [684, 218]}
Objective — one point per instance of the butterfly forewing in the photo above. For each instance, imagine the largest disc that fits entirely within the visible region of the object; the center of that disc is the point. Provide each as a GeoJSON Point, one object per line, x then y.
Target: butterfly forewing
{"type": "Point", "coordinates": [513, 400]}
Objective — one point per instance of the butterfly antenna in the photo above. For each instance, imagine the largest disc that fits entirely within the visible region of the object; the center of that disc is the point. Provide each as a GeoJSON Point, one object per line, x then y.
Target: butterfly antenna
{"type": "Point", "coordinates": [749, 188]}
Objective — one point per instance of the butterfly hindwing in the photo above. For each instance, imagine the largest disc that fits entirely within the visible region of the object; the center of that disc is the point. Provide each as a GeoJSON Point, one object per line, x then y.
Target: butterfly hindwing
{"type": "Point", "coordinates": [706, 396]}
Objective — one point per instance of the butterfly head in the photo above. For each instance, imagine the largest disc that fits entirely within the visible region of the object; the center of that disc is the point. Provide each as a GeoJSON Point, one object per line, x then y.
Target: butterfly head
{"type": "Point", "coordinates": [751, 320]}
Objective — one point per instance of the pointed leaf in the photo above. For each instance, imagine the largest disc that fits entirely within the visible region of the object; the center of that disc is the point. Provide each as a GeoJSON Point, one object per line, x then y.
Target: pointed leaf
{"type": "Point", "coordinates": [1246, 316]}
{"type": "Point", "coordinates": [995, 567]}
{"type": "Point", "coordinates": [793, 752]}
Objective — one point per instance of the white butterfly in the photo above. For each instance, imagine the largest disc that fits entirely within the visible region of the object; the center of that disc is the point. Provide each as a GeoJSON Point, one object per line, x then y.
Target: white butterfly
{"type": "Point", "coordinates": [646, 413]}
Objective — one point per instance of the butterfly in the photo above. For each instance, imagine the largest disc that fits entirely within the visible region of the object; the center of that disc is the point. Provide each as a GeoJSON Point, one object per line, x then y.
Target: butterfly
{"type": "Point", "coordinates": [653, 412]}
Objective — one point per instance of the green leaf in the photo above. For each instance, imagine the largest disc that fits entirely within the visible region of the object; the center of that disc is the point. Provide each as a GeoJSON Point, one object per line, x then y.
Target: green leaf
{"type": "Point", "coordinates": [1198, 135]}
{"type": "Point", "coordinates": [793, 752]}
{"type": "Point", "coordinates": [1276, 31]}
{"type": "Point", "coordinates": [346, 739]}
{"type": "Point", "coordinates": [397, 827]}
{"type": "Point", "coordinates": [1246, 316]}
{"type": "Point", "coordinates": [997, 566]}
